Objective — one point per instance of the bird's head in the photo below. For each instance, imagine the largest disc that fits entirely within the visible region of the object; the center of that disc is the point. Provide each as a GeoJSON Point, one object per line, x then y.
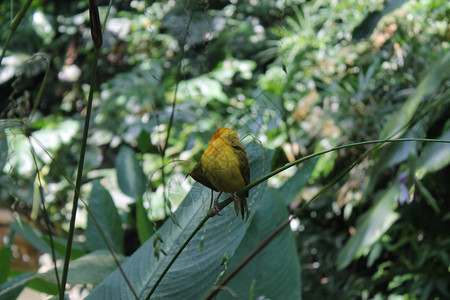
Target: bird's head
{"type": "Point", "coordinates": [225, 133]}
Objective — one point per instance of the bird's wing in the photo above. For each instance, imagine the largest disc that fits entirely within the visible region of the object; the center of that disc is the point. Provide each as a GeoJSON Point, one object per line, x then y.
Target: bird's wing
{"type": "Point", "coordinates": [197, 174]}
{"type": "Point", "coordinates": [243, 163]}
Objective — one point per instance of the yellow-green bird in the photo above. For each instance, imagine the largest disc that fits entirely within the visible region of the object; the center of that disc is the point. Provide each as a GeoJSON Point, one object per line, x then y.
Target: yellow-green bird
{"type": "Point", "coordinates": [224, 167]}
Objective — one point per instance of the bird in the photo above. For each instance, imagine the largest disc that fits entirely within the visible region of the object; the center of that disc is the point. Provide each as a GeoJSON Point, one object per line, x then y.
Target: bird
{"type": "Point", "coordinates": [224, 168]}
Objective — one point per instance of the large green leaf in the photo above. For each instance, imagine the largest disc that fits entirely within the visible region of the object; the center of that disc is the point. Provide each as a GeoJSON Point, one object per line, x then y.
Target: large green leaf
{"type": "Point", "coordinates": [32, 236]}
{"type": "Point", "coordinates": [196, 269]}
{"type": "Point", "coordinates": [435, 156]}
{"type": "Point", "coordinates": [5, 262]}
{"type": "Point", "coordinates": [275, 272]}
{"type": "Point", "coordinates": [92, 268]}
{"type": "Point", "coordinates": [42, 243]}
{"type": "Point", "coordinates": [11, 289]}
{"type": "Point", "coordinates": [430, 83]}
{"type": "Point", "coordinates": [130, 176]}
{"type": "Point", "coordinates": [43, 286]}
{"type": "Point", "coordinates": [371, 226]}
{"type": "Point", "coordinates": [105, 212]}
{"type": "Point", "coordinates": [145, 227]}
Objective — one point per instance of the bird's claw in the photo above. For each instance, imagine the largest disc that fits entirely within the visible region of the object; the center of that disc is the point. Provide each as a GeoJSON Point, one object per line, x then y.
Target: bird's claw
{"type": "Point", "coordinates": [235, 197]}
{"type": "Point", "coordinates": [216, 209]}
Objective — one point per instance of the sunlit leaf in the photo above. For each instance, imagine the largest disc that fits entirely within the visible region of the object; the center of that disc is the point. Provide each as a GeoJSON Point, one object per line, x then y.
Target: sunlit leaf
{"type": "Point", "coordinates": [53, 136]}
{"type": "Point", "coordinates": [201, 89]}
{"type": "Point", "coordinates": [434, 156]}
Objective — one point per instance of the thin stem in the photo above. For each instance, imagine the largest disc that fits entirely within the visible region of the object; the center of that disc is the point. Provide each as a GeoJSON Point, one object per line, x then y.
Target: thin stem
{"type": "Point", "coordinates": [96, 33]}
{"type": "Point", "coordinates": [172, 113]}
{"type": "Point", "coordinates": [79, 176]}
{"type": "Point", "coordinates": [14, 24]}
{"type": "Point", "coordinates": [42, 87]}
{"type": "Point", "coordinates": [44, 210]}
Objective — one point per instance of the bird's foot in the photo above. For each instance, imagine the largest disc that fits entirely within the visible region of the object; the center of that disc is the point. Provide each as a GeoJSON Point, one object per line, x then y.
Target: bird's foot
{"type": "Point", "coordinates": [235, 197]}
{"type": "Point", "coordinates": [216, 209]}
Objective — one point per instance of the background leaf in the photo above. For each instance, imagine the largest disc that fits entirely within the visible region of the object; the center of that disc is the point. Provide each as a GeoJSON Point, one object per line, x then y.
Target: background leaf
{"type": "Point", "coordinates": [435, 156]}
{"type": "Point", "coordinates": [32, 236]}
{"type": "Point", "coordinates": [145, 227]}
{"type": "Point", "coordinates": [43, 286]}
{"type": "Point", "coordinates": [5, 262]}
{"type": "Point", "coordinates": [99, 263]}
{"type": "Point", "coordinates": [130, 177]}
{"type": "Point", "coordinates": [105, 212]}
{"type": "Point", "coordinates": [41, 241]}
{"type": "Point", "coordinates": [12, 288]}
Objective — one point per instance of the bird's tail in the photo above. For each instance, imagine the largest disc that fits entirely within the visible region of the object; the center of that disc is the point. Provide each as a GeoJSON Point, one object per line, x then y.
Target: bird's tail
{"type": "Point", "coordinates": [241, 203]}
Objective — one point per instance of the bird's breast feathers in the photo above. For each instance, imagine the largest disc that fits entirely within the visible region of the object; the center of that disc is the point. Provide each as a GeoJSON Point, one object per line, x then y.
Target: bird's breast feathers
{"type": "Point", "coordinates": [221, 166]}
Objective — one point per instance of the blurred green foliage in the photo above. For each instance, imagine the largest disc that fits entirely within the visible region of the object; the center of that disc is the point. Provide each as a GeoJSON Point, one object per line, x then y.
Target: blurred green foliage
{"type": "Point", "coordinates": [296, 77]}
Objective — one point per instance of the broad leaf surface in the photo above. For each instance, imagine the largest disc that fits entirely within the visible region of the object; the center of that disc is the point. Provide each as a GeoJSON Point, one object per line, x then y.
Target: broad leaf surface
{"type": "Point", "coordinates": [196, 269]}
{"type": "Point", "coordinates": [129, 173]}
{"type": "Point", "coordinates": [92, 268]}
{"type": "Point", "coordinates": [435, 156]}
{"type": "Point", "coordinates": [105, 212]}
{"type": "Point", "coordinates": [12, 288]}
{"type": "Point", "coordinates": [145, 228]}
{"type": "Point", "coordinates": [275, 272]}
